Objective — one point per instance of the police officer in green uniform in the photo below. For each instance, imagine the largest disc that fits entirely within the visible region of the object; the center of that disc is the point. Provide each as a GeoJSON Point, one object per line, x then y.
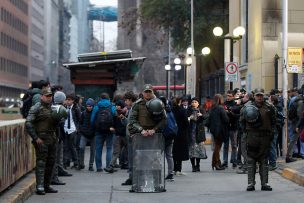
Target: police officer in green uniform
{"type": "Point", "coordinates": [141, 120]}
{"type": "Point", "coordinates": [147, 118]}
{"type": "Point", "coordinates": [41, 126]}
{"type": "Point", "coordinates": [258, 121]}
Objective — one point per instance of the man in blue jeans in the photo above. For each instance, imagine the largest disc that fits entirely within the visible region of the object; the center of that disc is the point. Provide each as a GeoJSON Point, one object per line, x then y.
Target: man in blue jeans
{"type": "Point", "coordinates": [103, 121]}
{"type": "Point", "coordinates": [233, 114]}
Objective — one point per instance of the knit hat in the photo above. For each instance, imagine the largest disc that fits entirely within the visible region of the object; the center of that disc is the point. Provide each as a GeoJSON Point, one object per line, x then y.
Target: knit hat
{"type": "Point", "coordinates": [120, 103]}
{"type": "Point", "coordinates": [59, 97]}
{"type": "Point", "coordinates": [196, 99]}
{"type": "Point", "coordinates": [90, 102]}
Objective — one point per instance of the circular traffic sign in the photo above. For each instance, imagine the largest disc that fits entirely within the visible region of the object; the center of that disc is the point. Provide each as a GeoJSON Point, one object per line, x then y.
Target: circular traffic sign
{"type": "Point", "coordinates": [231, 68]}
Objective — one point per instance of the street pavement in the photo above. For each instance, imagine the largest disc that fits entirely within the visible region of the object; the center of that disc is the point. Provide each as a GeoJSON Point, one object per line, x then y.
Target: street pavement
{"type": "Point", "coordinates": [205, 186]}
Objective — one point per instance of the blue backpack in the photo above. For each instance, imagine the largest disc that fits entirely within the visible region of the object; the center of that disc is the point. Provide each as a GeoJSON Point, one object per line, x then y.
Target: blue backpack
{"type": "Point", "coordinates": [170, 131]}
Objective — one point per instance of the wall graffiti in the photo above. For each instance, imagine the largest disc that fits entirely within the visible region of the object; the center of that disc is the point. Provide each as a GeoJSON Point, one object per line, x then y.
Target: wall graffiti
{"type": "Point", "coordinates": [16, 153]}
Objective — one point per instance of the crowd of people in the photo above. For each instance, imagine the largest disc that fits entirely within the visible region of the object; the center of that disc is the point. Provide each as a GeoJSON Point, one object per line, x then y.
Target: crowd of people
{"type": "Point", "coordinates": [250, 123]}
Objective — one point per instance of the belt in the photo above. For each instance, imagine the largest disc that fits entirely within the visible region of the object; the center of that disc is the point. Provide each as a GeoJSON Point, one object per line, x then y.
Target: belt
{"type": "Point", "coordinates": [260, 133]}
{"type": "Point", "coordinates": [45, 132]}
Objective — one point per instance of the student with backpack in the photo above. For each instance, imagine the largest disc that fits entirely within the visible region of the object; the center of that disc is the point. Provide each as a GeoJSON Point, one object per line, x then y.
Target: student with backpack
{"type": "Point", "coordinates": [120, 139]}
{"type": "Point", "coordinates": [87, 134]}
{"type": "Point", "coordinates": [169, 132]}
{"type": "Point", "coordinates": [103, 121]}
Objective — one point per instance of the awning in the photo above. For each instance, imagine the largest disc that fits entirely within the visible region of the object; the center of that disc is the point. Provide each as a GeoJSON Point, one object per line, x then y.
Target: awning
{"type": "Point", "coordinates": [95, 63]}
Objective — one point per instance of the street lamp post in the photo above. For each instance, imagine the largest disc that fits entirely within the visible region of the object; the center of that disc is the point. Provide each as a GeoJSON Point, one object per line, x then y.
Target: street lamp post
{"type": "Point", "coordinates": [238, 32]}
{"type": "Point", "coordinates": [205, 51]}
{"type": "Point", "coordinates": [177, 66]}
{"type": "Point", "coordinates": [167, 68]}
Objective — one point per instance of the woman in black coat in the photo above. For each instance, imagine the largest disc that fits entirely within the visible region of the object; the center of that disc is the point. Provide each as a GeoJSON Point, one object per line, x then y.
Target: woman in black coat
{"type": "Point", "coordinates": [180, 146]}
{"type": "Point", "coordinates": [218, 123]}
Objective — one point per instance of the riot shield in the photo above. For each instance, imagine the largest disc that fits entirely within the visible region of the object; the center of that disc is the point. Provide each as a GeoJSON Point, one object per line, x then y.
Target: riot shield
{"type": "Point", "coordinates": [148, 163]}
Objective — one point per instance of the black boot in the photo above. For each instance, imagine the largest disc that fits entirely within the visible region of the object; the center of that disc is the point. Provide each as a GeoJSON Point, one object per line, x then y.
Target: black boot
{"type": "Point", "coordinates": [194, 169]}
{"type": "Point", "coordinates": [81, 159]}
{"type": "Point", "coordinates": [62, 171]}
{"type": "Point", "coordinates": [266, 188]}
{"type": "Point", "coordinates": [198, 168]}
{"type": "Point", "coordinates": [264, 176]}
{"type": "Point", "coordinates": [250, 188]}
{"type": "Point", "coordinates": [49, 189]}
{"type": "Point", "coordinates": [251, 167]}
{"type": "Point", "coordinates": [40, 165]}
{"type": "Point", "coordinates": [127, 182]}
{"type": "Point", "coordinates": [91, 168]}
{"type": "Point", "coordinates": [57, 182]}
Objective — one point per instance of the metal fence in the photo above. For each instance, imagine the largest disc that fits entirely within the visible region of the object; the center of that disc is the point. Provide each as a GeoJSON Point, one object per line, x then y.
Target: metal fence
{"type": "Point", "coordinates": [16, 152]}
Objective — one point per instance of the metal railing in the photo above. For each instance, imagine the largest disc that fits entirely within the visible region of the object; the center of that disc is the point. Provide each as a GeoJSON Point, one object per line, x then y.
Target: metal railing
{"type": "Point", "coordinates": [17, 156]}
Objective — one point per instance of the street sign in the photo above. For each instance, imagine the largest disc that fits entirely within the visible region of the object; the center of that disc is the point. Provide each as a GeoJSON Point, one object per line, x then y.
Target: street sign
{"type": "Point", "coordinates": [294, 60]}
{"type": "Point", "coordinates": [231, 71]}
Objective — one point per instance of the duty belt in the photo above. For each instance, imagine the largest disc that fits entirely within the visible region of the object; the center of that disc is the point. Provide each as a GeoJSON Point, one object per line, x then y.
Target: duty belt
{"type": "Point", "coordinates": [260, 133]}
{"type": "Point", "coordinates": [45, 132]}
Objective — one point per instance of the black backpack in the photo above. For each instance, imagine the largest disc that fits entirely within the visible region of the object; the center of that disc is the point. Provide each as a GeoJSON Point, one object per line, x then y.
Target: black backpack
{"type": "Point", "coordinates": [170, 131]}
{"type": "Point", "coordinates": [27, 104]}
{"type": "Point", "coordinates": [104, 119]}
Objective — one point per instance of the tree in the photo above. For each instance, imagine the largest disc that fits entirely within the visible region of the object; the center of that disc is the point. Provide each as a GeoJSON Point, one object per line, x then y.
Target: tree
{"type": "Point", "coordinates": [175, 14]}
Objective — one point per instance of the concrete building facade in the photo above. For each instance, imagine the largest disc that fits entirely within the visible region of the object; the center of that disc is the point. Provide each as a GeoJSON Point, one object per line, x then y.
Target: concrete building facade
{"type": "Point", "coordinates": [259, 53]}
{"type": "Point", "coordinates": [80, 11]}
{"type": "Point", "coordinates": [37, 41]}
{"type": "Point", "coordinates": [14, 48]}
{"type": "Point", "coordinates": [51, 40]}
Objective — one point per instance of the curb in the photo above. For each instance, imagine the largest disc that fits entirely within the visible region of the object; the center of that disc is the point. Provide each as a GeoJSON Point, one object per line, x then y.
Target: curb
{"type": "Point", "coordinates": [21, 191]}
{"type": "Point", "coordinates": [293, 175]}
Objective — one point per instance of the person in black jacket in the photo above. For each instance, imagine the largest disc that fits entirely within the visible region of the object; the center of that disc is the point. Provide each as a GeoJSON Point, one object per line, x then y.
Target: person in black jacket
{"type": "Point", "coordinates": [87, 134]}
{"type": "Point", "coordinates": [71, 128]}
{"type": "Point", "coordinates": [180, 145]}
{"type": "Point", "coordinates": [120, 139]}
{"type": "Point", "coordinates": [218, 123]}
{"type": "Point", "coordinates": [230, 106]}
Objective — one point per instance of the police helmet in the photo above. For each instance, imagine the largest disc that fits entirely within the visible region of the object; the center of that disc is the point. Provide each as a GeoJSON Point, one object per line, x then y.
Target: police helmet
{"type": "Point", "coordinates": [59, 112]}
{"type": "Point", "coordinates": [155, 107]}
{"type": "Point", "coordinates": [252, 114]}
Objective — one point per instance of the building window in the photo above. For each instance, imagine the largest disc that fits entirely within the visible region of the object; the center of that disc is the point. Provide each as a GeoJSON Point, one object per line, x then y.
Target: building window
{"type": "Point", "coordinates": [13, 21]}
{"type": "Point", "coordinates": [21, 5]}
{"type": "Point", "coordinates": [13, 44]}
{"type": "Point", "coordinates": [13, 67]}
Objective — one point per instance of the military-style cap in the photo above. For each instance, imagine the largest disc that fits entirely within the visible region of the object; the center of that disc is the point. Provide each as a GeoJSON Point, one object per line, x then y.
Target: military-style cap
{"type": "Point", "coordinates": [148, 87]}
{"type": "Point", "coordinates": [46, 91]}
{"type": "Point", "coordinates": [259, 91]}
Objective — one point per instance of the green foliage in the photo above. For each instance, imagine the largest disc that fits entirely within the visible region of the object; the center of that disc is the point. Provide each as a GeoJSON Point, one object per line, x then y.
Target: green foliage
{"type": "Point", "coordinates": [175, 14]}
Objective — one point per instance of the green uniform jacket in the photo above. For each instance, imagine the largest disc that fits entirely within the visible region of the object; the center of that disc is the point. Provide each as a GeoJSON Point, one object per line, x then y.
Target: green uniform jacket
{"type": "Point", "coordinates": [39, 123]}
{"type": "Point", "coordinates": [140, 119]}
{"type": "Point", "coordinates": [268, 114]}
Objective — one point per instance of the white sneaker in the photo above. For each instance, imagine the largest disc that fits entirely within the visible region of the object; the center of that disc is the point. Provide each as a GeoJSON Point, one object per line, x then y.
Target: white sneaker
{"type": "Point", "coordinates": [178, 173]}
{"type": "Point", "coordinates": [182, 174]}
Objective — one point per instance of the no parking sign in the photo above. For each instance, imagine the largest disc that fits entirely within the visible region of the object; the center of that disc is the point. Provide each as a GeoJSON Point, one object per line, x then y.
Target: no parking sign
{"type": "Point", "coordinates": [231, 71]}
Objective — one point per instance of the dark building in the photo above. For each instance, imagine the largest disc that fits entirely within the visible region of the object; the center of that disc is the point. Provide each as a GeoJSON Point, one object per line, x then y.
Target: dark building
{"type": "Point", "coordinates": [14, 48]}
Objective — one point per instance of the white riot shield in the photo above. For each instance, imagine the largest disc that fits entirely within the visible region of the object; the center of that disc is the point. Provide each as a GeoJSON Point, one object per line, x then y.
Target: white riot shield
{"type": "Point", "coordinates": [148, 163]}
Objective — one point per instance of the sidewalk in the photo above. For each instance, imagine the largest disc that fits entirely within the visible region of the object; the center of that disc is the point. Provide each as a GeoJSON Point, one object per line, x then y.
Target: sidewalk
{"type": "Point", "coordinates": [26, 186]}
{"type": "Point", "coordinates": [292, 171]}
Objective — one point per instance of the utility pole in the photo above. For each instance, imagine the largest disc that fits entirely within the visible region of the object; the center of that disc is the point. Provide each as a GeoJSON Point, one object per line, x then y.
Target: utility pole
{"type": "Point", "coordinates": [284, 70]}
{"type": "Point", "coordinates": [193, 65]}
